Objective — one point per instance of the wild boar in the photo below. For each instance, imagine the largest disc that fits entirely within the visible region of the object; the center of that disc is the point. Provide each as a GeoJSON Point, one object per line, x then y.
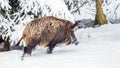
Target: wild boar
{"type": "Point", "coordinates": [47, 32]}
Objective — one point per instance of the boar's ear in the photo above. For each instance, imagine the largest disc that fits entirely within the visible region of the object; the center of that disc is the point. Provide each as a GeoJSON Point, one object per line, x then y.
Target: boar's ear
{"type": "Point", "coordinates": [70, 26]}
{"type": "Point", "coordinates": [77, 23]}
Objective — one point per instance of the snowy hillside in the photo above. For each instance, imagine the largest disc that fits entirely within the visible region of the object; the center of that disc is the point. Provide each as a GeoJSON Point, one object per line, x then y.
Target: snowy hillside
{"type": "Point", "coordinates": [98, 48]}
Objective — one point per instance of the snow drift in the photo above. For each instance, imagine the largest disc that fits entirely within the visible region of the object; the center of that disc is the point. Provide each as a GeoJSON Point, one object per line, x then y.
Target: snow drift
{"type": "Point", "coordinates": [98, 48]}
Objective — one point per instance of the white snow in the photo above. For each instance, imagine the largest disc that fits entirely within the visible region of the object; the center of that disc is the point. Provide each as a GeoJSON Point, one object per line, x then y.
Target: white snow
{"type": "Point", "coordinates": [5, 4]}
{"type": "Point", "coordinates": [47, 8]}
{"type": "Point", "coordinates": [98, 48]}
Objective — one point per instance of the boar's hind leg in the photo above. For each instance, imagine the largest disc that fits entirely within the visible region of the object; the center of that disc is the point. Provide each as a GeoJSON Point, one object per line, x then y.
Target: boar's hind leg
{"type": "Point", "coordinates": [28, 50]}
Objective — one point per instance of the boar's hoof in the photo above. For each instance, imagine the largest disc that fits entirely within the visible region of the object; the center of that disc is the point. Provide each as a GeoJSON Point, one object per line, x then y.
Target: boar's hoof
{"type": "Point", "coordinates": [49, 51]}
{"type": "Point", "coordinates": [27, 50]}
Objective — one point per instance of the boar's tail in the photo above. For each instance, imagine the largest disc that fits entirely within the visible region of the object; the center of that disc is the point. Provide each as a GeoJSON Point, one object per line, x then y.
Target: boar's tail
{"type": "Point", "coordinates": [18, 42]}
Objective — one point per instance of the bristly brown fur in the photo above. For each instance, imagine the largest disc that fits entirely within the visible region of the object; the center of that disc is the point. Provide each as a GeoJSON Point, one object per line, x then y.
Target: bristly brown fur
{"type": "Point", "coordinates": [47, 31]}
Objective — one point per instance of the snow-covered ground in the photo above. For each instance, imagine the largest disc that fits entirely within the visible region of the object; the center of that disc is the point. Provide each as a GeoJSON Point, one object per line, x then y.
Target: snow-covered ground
{"type": "Point", "coordinates": [98, 48]}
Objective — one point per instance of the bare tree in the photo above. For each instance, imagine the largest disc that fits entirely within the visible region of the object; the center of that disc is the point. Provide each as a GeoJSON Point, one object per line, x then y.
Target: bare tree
{"type": "Point", "coordinates": [100, 17]}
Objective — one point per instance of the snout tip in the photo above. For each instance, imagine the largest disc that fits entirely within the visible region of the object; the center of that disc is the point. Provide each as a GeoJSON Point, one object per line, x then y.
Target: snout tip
{"type": "Point", "coordinates": [75, 42]}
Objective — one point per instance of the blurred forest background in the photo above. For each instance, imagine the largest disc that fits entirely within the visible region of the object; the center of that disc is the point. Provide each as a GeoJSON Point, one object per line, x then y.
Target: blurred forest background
{"type": "Point", "coordinates": [15, 14]}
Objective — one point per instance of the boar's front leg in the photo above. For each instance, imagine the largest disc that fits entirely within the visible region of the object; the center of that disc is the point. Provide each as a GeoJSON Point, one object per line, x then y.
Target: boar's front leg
{"type": "Point", "coordinates": [51, 46]}
{"type": "Point", "coordinates": [75, 41]}
{"type": "Point", "coordinates": [53, 43]}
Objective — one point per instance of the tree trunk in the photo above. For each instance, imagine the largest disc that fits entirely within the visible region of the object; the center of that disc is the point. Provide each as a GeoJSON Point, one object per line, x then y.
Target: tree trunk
{"type": "Point", "coordinates": [6, 46]}
{"type": "Point", "coordinates": [100, 17]}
